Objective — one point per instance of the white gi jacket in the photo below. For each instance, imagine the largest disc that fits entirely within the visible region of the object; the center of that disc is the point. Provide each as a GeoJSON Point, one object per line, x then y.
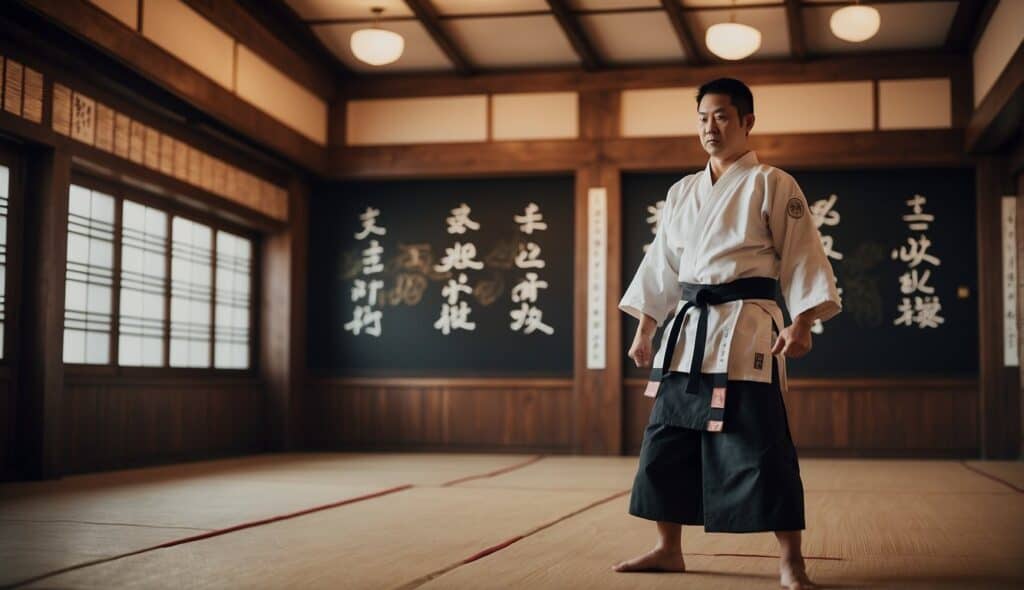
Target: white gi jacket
{"type": "Point", "coordinates": [753, 222]}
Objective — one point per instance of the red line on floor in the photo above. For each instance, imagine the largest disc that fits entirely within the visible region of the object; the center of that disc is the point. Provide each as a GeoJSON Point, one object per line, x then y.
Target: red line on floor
{"type": "Point", "coordinates": [490, 550]}
{"type": "Point", "coordinates": [213, 533]}
{"type": "Point", "coordinates": [993, 478]}
{"type": "Point", "coordinates": [504, 544]}
{"type": "Point", "coordinates": [495, 472]}
{"type": "Point", "coordinates": [271, 519]}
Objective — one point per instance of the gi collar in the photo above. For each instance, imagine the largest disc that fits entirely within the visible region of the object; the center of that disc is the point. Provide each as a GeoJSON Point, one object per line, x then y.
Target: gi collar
{"type": "Point", "coordinates": [744, 162]}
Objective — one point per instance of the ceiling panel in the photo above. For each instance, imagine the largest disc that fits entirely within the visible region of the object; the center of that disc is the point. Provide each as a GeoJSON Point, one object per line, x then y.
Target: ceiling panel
{"type": "Point", "coordinates": [515, 41]}
{"type": "Point", "coordinates": [447, 7]}
{"type": "Point", "coordinates": [917, 25]}
{"type": "Point", "coordinates": [770, 21]}
{"type": "Point", "coordinates": [421, 53]}
{"type": "Point", "coordinates": [324, 9]}
{"type": "Point", "coordinates": [614, 36]}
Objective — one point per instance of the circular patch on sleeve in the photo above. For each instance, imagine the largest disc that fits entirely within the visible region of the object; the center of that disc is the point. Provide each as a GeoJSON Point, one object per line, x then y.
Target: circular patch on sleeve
{"type": "Point", "coordinates": [795, 208]}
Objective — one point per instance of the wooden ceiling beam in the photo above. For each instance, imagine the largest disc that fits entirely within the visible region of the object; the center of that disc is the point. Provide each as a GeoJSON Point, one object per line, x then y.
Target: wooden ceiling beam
{"type": "Point", "coordinates": [577, 37]}
{"type": "Point", "coordinates": [940, 147]}
{"type": "Point", "coordinates": [999, 117]}
{"type": "Point", "coordinates": [428, 17]}
{"type": "Point", "coordinates": [841, 68]}
{"type": "Point", "coordinates": [677, 17]}
{"type": "Point", "coordinates": [966, 23]}
{"type": "Point", "coordinates": [282, 21]}
{"type": "Point", "coordinates": [795, 23]}
{"type": "Point", "coordinates": [236, 21]}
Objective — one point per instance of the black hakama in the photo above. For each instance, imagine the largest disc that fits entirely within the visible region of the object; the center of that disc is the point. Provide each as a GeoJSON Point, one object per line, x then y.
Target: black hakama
{"type": "Point", "coordinates": [744, 478]}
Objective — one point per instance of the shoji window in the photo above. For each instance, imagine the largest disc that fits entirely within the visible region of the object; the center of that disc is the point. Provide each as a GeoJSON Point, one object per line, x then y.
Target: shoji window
{"type": "Point", "coordinates": [143, 285]}
{"type": "Point", "coordinates": [150, 284]}
{"type": "Point", "coordinates": [234, 278]}
{"type": "Point", "coordinates": [191, 275]}
{"type": "Point", "coordinates": [89, 276]}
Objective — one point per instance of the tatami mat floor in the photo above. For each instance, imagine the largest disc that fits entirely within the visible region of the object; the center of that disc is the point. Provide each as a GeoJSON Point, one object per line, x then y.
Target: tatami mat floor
{"type": "Point", "coordinates": [474, 521]}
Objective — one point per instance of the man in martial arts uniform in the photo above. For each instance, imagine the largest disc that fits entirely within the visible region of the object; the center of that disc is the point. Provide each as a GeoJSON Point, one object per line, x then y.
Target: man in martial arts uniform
{"type": "Point", "coordinates": [717, 450]}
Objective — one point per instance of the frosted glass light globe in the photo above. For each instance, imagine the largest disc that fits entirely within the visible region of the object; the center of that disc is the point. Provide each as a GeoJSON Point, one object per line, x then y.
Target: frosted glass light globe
{"type": "Point", "coordinates": [855, 23]}
{"type": "Point", "coordinates": [732, 40]}
{"type": "Point", "coordinates": [377, 47]}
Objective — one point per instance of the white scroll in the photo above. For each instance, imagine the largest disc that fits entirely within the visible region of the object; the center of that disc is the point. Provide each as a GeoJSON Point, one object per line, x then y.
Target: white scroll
{"type": "Point", "coordinates": [597, 242]}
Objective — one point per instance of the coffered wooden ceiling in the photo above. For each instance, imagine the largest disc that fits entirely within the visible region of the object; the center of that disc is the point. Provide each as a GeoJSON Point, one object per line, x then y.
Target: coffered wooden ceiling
{"type": "Point", "coordinates": [473, 36]}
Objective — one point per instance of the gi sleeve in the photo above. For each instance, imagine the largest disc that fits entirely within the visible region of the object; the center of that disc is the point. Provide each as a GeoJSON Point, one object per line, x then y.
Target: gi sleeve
{"type": "Point", "coordinates": [655, 288]}
{"type": "Point", "coordinates": [805, 274]}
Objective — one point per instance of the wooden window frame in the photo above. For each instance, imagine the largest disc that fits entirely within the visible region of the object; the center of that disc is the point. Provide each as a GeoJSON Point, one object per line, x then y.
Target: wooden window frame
{"type": "Point", "coordinates": [16, 163]}
{"type": "Point", "coordinates": [120, 192]}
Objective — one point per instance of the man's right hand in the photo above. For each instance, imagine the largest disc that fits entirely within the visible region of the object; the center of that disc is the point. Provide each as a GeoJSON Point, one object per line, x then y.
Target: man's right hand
{"type": "Point", "coordinates": [641, 350]}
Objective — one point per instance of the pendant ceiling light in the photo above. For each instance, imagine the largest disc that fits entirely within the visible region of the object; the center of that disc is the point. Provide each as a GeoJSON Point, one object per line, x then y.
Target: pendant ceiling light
{"type": "Point", "coordinates": [855, 23]}
{"type": "Point", "coordinates": [732, 40]}
{"type": "Point", "coordinates": [376, 46]}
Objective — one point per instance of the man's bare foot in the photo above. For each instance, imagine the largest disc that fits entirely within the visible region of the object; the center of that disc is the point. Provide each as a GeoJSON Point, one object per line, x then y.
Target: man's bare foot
{"type": "Point", "coordinates": [793, 576]}
{"type": "Point", "coordinates": [658, 559]}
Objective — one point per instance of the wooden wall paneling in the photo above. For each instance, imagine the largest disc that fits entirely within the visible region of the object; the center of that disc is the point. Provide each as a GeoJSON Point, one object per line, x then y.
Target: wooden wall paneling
{"type": "Point", "coordinates": [999, 385]}
{"type": "Point", "coordinates": [42, 338]}
{"type": "Point", "coordinates": [110, 422]}
{"type": "Point", "coordinates": [458, 159]}
{"type": "Point", "coordinates": [818, 418]}
{"type": "Point", "coordinates": [795, 151]}
{"type": "Point", "coordinates": [468, 414]}
{"type": "Point", "coordinates": [282, 340]}
{"type": "Point", "coordinates": [861, 417]}
{"type": "Point", "coordinates": [942, 147]}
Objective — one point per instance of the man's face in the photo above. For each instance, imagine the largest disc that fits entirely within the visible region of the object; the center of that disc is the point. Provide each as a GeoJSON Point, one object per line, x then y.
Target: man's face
{"type": "Point", "coordinates": [722, 133]}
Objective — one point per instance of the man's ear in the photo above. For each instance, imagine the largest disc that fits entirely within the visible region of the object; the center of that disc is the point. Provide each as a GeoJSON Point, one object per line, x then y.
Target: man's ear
{"type": "Point", "coordinates": [749, 120]}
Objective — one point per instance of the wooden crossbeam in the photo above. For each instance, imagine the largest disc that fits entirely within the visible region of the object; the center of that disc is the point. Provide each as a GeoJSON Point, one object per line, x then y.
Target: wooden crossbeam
{"type": "Point", "coordinates": [428, 17]}
{"type": "Point", "coordinates": [676, 16]}
{"type": "Point", "coordinates": [795, 22]}
{"type": "Point", "coordinates": [966, 23]}
{"type": "Point", "coordinates": [574, 32]}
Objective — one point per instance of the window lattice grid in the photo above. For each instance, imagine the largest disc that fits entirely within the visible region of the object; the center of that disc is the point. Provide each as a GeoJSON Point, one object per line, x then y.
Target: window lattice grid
{"type": "Point", "coordinates": [191, 293]}
{"type": "Point", "coordinates": [88, 276]}
{"type": "Point", "coordinates": [232, 297]}
{"type": "Point", "coordinates": [144, 243]}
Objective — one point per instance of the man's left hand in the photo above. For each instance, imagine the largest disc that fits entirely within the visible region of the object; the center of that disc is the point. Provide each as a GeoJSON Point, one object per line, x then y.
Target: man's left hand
{"type": "Point", "coordinates": [794, 340]}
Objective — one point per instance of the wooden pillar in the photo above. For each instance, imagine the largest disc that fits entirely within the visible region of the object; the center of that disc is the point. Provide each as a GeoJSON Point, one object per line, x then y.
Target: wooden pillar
{"type": "Point", "coordinates": [42, 315]}
{"type": "Point", "coordinates": [1000, 385]}
{"type": "Point", "coordinates": [282, 341]}
{"type": "Point", "coordinates": [598, 392]}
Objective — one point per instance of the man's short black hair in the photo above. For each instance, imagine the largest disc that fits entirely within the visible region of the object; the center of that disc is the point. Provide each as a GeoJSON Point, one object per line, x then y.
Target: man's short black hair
{"type": "Point", "coordinates": [737, 91]}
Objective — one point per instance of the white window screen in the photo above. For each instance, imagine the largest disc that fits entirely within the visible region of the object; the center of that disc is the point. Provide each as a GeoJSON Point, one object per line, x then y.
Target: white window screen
{"type": "Point", "coordinates": [5, 191]}
{"type": "Point", "coordinates": [89, 276]}
{"type": "Point", "coordinates": [143, 281]}
{"type": "Point", "coordinates": [234, 264]}
{"type": "Point", "coordinates": [191, 245]}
